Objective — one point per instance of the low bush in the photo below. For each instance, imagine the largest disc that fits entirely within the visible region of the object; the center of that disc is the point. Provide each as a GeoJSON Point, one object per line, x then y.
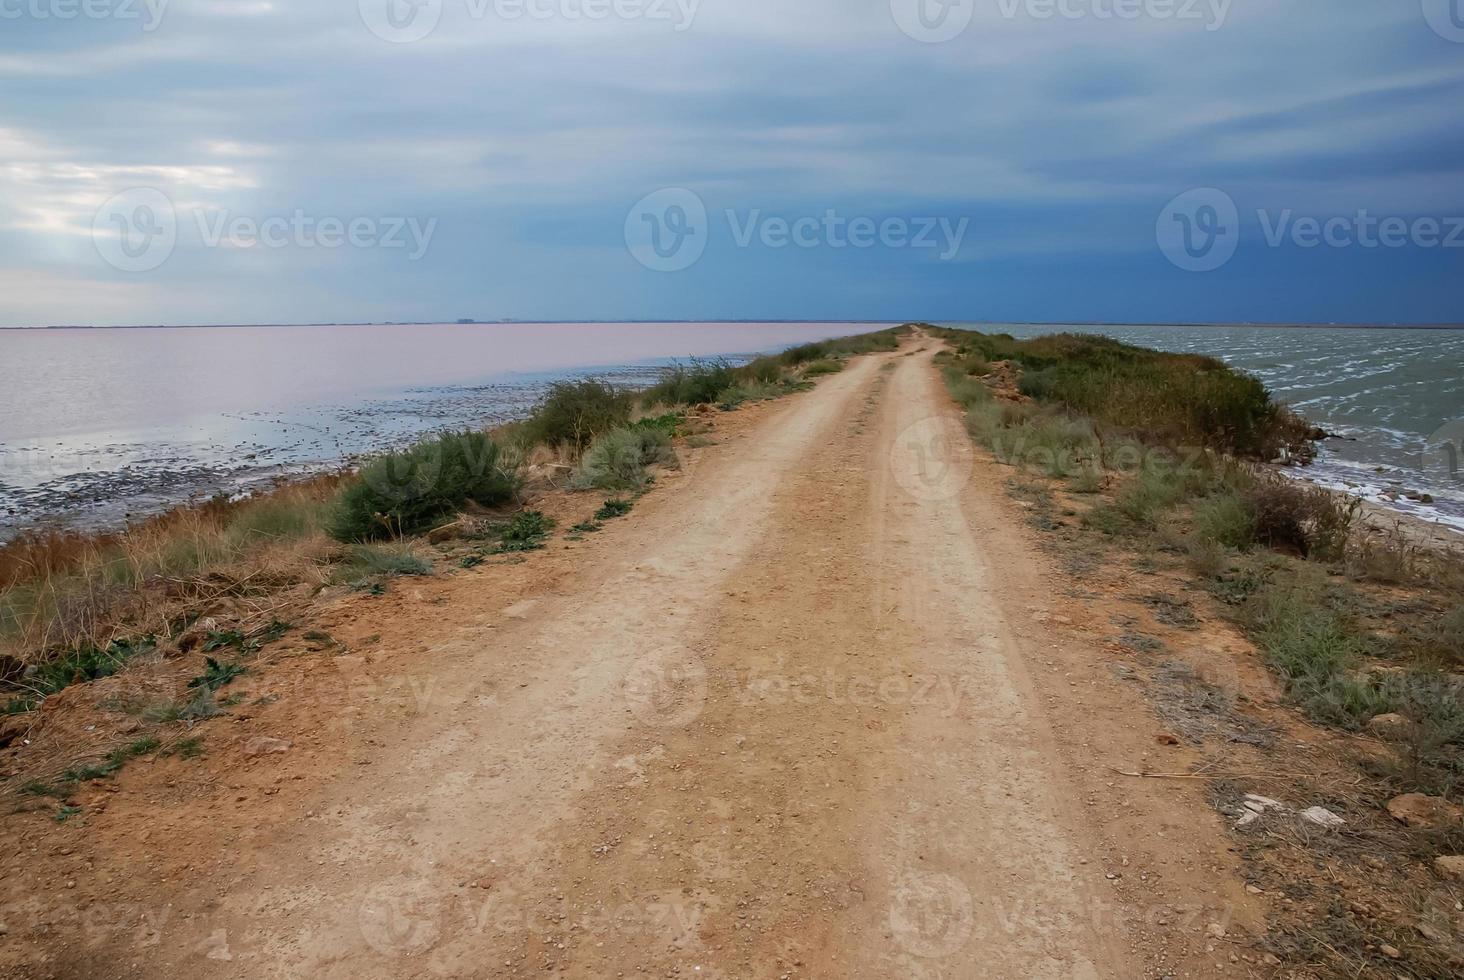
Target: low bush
{"type": "Point", "coordinates": [1181, 399]}
{"type": "Point", "coordinates": [1290, 515]}
{"type": "Point", "coordinates": [528, 531]}
{"type": "Point", "coordinates": [820, 368]}
{"type": "Point", "coordinates": [966, 391]}
{"type": "Point", "coordinates": [696, 383]}
{"type": "Point", "coordinates": [613, 508]}
{"type": "Point", "coordinates": [758, 391]}
{"type": "Point", "coordinates": [572, 414]}
{"type": "Point", "coordinates": [1159, 487]}
{"type": "Point", "coordinates": [1226, 519]}
{"type": "Point", "coordinates": [376, 561]}
{"type": "Point", "coordinates": [1055, 444]}
{"type": "Point", "coordinates": [409, 491]}
{"type": "Point", "coordinates": [1313, 646]}
{"type": "Point", "coordinates": [618, 459]}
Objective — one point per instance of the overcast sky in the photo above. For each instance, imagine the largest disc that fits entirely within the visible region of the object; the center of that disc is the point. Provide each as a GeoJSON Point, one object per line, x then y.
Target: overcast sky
{"type": "Point", "coordinates": [226, 161]}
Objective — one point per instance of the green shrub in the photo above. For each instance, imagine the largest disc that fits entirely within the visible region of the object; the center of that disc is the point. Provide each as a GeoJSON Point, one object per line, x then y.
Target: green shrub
{"type": "Point", "coordinates": [806, 353]}
{"type": "Point", "coordinates": [820, 368]}
{"type": "Point", "coordinates": [758, 391]}
{"type": "Point", "coordinates": [764, 369]}
{"type": "Point", "coordinates": [1225, 519]}
{"type": "Point", "coordinates": [965, 390]}
{"type": "Point", "coordinates": [1153, 492]}
{"type": "Point", "coordinates": [86, 662]}
{"type": "Point", "coordinates": [574, 413]}
{"type": "Point", "coordinates": [528, 531]}
{"type": "Point", "coordinates": [217, 673]}
{"type": "Point", "coordinates": [696, 383]}
{"type": "Point", "coordinates": [1312, 645]}
{"type": "Point", "coordinates": [1289, 514]}
{"type": "Point", "coordinates": [613, 508]}
{"type": "Point", "coordinates": [667, 424]}
{"type": "Point", "coordinates": [410, 491]}
{"type": "Point", "coordinates": [1055, 444]}
{"type": "Point", "coordinates": [374, 561]}
{"type": "Point", "coordinates": [618, 459]}
{"type": "Point", "coordinates": [1182, 399]}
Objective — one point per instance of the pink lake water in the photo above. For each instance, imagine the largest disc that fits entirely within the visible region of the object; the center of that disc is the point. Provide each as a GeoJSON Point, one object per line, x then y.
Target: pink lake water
{"type": "Point", "coordinates": [99, 425]}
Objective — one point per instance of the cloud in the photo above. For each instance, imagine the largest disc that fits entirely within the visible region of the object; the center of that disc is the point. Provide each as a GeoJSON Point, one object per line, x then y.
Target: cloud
{"type": "Point", "coordinates": [528, 139]}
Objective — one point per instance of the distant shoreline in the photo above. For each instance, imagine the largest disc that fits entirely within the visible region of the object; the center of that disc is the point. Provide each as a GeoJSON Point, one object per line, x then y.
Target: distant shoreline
{"type": "Point", "coordinates": [986, 323]}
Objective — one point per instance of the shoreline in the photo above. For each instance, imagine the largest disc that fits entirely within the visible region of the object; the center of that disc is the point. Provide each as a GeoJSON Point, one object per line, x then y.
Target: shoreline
{"type": "Point", "coordinates": [109, 500]}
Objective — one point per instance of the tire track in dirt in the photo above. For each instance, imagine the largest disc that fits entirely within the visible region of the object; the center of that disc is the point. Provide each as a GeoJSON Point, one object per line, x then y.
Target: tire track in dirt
{"type": "Point", "coordinates": [479, 789]}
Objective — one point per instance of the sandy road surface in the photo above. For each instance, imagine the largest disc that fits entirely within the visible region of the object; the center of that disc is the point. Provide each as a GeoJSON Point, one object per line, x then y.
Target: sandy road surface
{"type": "Point", "coordinates": [799, 718]}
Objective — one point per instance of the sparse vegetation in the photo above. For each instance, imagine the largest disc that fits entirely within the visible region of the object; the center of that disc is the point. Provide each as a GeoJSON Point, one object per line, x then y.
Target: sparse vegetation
{"type": "Point", "coordinates": [574, 413]}
{"type": "Point", "coordinates": [217, 674]}
{"type": "Point", "coordinates": [409, 491]}
{"type": "Point", "coordinates": [613, 508]}
{"type": "Point", "coordinates": [368, 563]}
{"type": "Point", "coordinates": [696, 383]}
{"type": "Point", "coordinates": [618, 460]}
{"type": "Point", "coordinates": [1167, 447]}
{"type": "Point", "coordinates": [528, 531]}
{"type": "Point", "coordinates": [820, 368]}
{"type": "Point", "coordinates": [1173, 399]}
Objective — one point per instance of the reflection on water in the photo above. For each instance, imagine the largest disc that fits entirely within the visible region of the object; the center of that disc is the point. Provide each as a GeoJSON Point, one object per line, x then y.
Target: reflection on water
{"type": "Point", "coordinates": [102, 424]}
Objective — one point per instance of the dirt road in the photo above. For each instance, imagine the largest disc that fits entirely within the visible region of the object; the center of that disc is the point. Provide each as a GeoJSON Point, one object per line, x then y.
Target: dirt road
{"type": "Point", "coordinates": [811, 712]}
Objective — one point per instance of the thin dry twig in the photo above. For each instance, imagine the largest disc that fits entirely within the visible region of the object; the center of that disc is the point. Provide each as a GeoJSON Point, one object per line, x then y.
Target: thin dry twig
{"type": "Point", "coordinates": [1209, 775]}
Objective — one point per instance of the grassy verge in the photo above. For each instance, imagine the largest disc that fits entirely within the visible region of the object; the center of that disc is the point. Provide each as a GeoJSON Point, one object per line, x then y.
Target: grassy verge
{"type": "Point", "coordinates": [1123, 461]}
{"type": "Point", "coordinates": [1163, 451]}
